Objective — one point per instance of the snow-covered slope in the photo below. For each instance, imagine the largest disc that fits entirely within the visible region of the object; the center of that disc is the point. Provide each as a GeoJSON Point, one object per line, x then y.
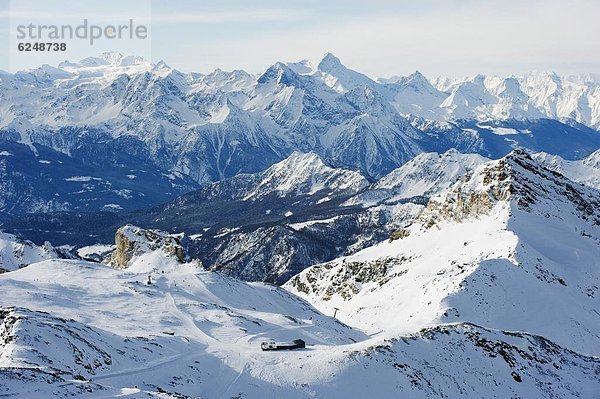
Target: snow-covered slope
{"type": "Point", "coordinates": [16, 253]}
{"type": "Point", "coordinates": [305, 174]}
{"type": "Point", "coordinates": [91, 331]}
{"type": "Point", "coordinates": [585, 171]}
{"type": "Point", "coordinates": [184, 332]}
{"type": "Point", "coordinates": [423, 176]}
{"type": "Point", "coordinates": [514, 246]}
{"type": "Point", "coordinates": [415, 95]}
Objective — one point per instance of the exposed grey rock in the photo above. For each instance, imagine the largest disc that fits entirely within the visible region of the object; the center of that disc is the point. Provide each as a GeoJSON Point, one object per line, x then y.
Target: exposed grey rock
{"type": "Point", "coordinates": [132, 241]}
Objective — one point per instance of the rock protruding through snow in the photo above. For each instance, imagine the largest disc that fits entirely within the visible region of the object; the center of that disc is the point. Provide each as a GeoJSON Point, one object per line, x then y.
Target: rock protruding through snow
{"type": "Point", "coordinates": [132, 241]}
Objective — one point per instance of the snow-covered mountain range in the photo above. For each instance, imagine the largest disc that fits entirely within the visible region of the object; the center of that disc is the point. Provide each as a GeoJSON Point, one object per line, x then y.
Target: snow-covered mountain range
{"type": "Point", "coordinates": [127, 123]}
{"type": "Point", "coordinates": [271, 225]}
{"type": "Point", "coordinates": [450, 227]}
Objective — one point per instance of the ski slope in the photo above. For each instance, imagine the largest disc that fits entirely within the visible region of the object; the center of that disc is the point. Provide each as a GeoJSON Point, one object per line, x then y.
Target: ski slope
{"type": "Point", "coordinates": [81, 329]}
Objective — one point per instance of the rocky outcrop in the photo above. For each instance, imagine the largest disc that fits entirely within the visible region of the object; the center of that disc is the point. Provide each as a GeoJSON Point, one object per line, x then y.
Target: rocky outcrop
{"type": "Point", "coordinates": [471, 196]}
{"type": "Point", "coordinates": [132, 241]}
{"type": "Point", "coordinates": [346, 278]}
{"type": "Point", "coordinates": [399, 234]}
{"type": "Point", "coordinates": [516, 179]}
{"type": "Point", "coordinates": [16, 253]}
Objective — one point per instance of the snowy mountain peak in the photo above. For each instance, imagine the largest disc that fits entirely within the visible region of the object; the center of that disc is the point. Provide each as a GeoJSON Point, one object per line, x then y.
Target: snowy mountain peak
{"type": "Point", "coordinates": [306, 173]}
{"type": "Point", "coordinates": [418, 83]}
{"type": "Point", "coordinates": [593, 160]}
{"type": "Point", "coordinates": [330, 63]}
{"type": "Point", "coordinates": [278, 73]}
{"type": "Point", "coordinates": [340, 78]}
{"type": "Point", "coordinates": [417, 78]}
{"type": "Point", "coordinates": [511, 89]}
{"type": "Point", "coordinates": [304, 157]}
{"type": "Point", "coordinates": [161, 65]}
{"type": "Point", "coordinates": [299, 161]}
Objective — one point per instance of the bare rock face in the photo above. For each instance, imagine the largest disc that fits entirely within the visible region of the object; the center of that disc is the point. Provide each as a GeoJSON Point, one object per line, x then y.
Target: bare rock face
{"type": "Point", "coordinates": [473, 195]}
{"type": "Point", "coordinates": [132, 241]}
{"type": "Point", "coordinates": [517, 179]}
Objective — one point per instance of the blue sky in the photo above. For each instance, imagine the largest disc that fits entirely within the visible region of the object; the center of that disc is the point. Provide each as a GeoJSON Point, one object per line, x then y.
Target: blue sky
{"type": "Point", "coordinates": [377, 37]}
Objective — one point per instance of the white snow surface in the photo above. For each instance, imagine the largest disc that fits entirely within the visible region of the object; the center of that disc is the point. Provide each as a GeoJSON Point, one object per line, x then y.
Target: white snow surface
{"type": "Point", "coordinates": [83, 329]}
{"type": "Point", "coordinates": [423, 176]}
{"type": "Point", "coordinates": [585, 171]}
{"type": "Point", "coordinates": [16, 253]}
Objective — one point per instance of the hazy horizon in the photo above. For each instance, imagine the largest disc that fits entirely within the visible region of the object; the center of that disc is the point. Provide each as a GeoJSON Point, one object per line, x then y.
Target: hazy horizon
{"type": "Point", "coordinates": [380, 39]}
